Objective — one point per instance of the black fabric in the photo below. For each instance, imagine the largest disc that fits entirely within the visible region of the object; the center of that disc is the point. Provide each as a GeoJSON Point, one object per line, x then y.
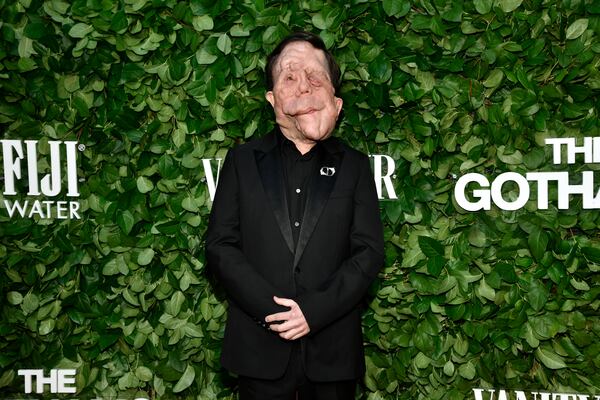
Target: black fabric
{"type": "Point", "coordinates": [251, 249]}
{"type": "Point", "coordinates": [297, 170]}
{"type": "Point", "coordinates": [294, 385]}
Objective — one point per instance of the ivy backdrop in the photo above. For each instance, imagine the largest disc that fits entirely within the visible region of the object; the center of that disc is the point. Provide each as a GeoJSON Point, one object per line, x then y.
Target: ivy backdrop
{"type": "Point", "coordinates": [487, 299]}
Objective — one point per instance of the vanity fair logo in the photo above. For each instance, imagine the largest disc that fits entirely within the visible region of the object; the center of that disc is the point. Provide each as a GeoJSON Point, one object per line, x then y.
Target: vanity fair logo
{"type": "Point", "coordinates": [502, 394]}
{"type": "Point", "coordinates": [488, 193]}
{"type": "Point", "coordinates": [383, 173]}
{"type": "Point", "coordinates": [20, 163]}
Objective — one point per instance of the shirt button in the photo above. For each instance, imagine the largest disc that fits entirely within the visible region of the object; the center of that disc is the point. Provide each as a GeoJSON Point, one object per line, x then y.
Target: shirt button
{"type": "Point", "coordinates": [298, 190]}
{"type": "Point", "coordinates": [296, 224]}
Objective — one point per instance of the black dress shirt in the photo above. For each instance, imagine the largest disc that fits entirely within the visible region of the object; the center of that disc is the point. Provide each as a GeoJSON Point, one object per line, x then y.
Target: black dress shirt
{"type": "Point", "coordinates": [297, 170]}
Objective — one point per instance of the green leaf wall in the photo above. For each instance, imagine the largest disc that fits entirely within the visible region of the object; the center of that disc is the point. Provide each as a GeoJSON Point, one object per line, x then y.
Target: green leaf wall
{"type": "Point", "coordinates": [502, 299]}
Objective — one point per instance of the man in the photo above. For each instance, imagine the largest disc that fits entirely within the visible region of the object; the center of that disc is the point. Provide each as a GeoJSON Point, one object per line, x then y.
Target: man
{"type": "Point", "coordinates": [295, 238]}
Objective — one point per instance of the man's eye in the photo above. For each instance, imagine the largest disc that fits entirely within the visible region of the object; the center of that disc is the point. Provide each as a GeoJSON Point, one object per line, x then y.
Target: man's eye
{"type": "Point", "coordinates": [289, 78]}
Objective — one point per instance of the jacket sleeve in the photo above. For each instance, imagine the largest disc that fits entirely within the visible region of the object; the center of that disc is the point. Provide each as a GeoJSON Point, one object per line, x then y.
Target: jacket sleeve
{"type": "Point", "coordinates": [243, 284]}
{"type": "Point", "coordinates": [345, 289]}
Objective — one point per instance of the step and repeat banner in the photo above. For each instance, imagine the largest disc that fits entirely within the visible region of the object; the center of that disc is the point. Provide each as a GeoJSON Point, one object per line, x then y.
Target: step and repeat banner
{"type": "Point", "coordinates": [481, 122]}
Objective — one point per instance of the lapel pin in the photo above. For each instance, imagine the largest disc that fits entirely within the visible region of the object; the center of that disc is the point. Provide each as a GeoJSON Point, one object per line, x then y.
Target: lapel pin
{"type": "Point", "coordinates": [327, 171]}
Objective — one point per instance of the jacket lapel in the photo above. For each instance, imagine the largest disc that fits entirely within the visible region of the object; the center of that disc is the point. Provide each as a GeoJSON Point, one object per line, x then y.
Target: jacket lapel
{"type": "Point", "coordinates": [268, 160]}
{"type": "Point", "coordinates": [320, 187]}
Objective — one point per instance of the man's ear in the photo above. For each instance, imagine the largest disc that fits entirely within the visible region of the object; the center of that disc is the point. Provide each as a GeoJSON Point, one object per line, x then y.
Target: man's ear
{"type": "Point", "coordinates": [338, 105]}
{"type": "Point", "coordinates": [270, 98]}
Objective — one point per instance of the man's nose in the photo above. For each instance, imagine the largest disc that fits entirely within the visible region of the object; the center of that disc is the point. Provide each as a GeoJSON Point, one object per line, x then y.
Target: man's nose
{"type": "Point", "coordinates": [303, 85]}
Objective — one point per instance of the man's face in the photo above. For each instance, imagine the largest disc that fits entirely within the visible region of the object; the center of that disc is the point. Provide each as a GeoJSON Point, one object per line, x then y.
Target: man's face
{"type": "Point", "coordinates": [303, 96]}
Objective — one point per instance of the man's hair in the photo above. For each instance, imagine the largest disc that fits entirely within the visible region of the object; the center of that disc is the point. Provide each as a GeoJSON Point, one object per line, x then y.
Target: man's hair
{"type": "Point", "coordinates": [317, 43]}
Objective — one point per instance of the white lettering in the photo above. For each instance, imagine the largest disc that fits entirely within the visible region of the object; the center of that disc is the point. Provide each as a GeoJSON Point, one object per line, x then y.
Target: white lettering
{"type": "Point", "coordinates": [43, 209]}
{"type": "Point", "coordinates": [12, 166]}
{"type": "Point", "coordinates": [381, 178]}
{"type": "Point", "coordinates": [61, 209]}
{"type": "Point", "coordinates": [32, 170]}
{"type": "Point", "coordinates": [51, 182]}
{"type": "Point", "coordinates": [542, 179]}
{"type": "Point", "coordinates": [497, 192]}
{"type": "Point", "coordinates": [10, 207]}
{"type": "Point", "coordinates": [59, 380]}
{"type": "Point", "coordinates": [591, 198]}
{"type": "Point", "coordinates": [66, 377]}
{"type": "Point", "coordinates": [27, 375]}
{"type": "Point", "coordinates": [73, 208]}
{"type": "Point", "coordinates": [590, 149]}
{"type": "Point", "coordinates": [36, 208]}
{"type": "Point", "coordinates": [72, 186]}
{"type": "Point", "coordinates": [12, 152]}
{"type": "Point", "coordinates": [483, 195]}
{"type": "Point", "coordinates": [210, 178]}
{"type": "Point", "coordinates": [520, 395]}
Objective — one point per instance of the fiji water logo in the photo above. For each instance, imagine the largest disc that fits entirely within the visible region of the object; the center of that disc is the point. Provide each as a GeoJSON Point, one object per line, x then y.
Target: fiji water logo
{"type": "Point", "coordinates": [20, 162]}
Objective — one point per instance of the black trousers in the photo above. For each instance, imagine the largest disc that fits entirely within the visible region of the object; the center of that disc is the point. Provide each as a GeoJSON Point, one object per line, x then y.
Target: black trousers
{"type": "Point", "coordinates": [294, 385]}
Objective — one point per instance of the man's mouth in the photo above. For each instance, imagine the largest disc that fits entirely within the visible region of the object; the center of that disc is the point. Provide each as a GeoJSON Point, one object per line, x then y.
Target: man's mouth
{"type": "Point", "coordinates": [306, 111]}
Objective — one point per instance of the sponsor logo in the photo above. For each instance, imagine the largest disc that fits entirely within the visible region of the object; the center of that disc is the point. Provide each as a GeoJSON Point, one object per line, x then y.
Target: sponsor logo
{"type": "Point", "coordinates": [21, 163]}
{"type": "Point", "coordinates": [59, 381]}
{"type": "Point", "coordinates": [486, 192]}
{"type": "Point", "coordinates": [502, 394]}
{"type": "Point", "coordinates": [383, 173]}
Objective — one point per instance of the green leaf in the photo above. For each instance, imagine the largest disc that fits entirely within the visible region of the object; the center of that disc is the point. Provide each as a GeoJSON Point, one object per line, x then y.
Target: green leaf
{"type": "Point", "coordinates": [119, 22]}
{"type": "Point", "coordinates": [30, 303]}
{"type": "Point", "coordinates": [71, 83]}
{"type": "Point", "coordinates": [449, 368]}
{"type": "Point", "coordinates": [592, 254]}
{"type": "Point", "coordinates": [537, 295]}
{"type": "Point", "coordinates": [577, 28]}
{"type": "Point", "coordinates": [174, 305]}
{"type": "Point", "coordinates": [509, 5]}
{"type": "Point", "coordinates": [205, 58]}
{"type": "Point", "coordinates": [224, 43]}
{"type": "Point", "coordinates": [125, 221]}
{"type": "Point", "coordinates": [145, 257]}
{"type": "Point", "coordinates": [203, 23]}
{"type": "Point", "coordinates": [580, 285]}
{"type": "Point", "coordinates": [80, 30]}
{"type": "Point", "coordinates": [435, 265]}
{"type": "Point", "coordinates": [430, 247]}
{"type": "Point", "coordinates": [396, 8]}
{"type": "Point", "coordinates": [144, 374]}
{"type": "Point", "coordinates": [467, 370]}
{"type": "Point", "coordinates": [47, 326]}
{"type": "Point", "coordinates": [494, 79]}
{"type": "Point", "coordinates": [483, 6]}
{"type": "Point", "coordinates": [186, 379]}
{"type": "Point", "coordinates": [144, 185]}
{"type": "Point", "coordinates": [14, 298]}
{"type": "Point", "coordinates": [538, 242]}
{"type": "Point", "coordinates": [549, 358]}
{"type": "Point", "coordinates": [486, 291]}
{"type": "Point", "coordinates": [380, 69]}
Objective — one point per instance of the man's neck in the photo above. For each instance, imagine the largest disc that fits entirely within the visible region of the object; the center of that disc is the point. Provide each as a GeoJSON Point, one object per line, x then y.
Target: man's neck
{"type": "Point", "coordinates": [303, 145]}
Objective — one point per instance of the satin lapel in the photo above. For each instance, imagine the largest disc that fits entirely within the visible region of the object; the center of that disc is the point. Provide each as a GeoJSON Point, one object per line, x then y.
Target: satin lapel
{"type": "Point", "coordinates": [270, 170]}
{"type": "Point", "coordinates": [320, 188]}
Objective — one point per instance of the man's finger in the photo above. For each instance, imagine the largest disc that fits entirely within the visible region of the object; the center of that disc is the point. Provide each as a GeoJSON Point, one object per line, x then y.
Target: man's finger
{"type": "Point", "coordinates": [293, 334]}
{"type": "Point", "coordinates": [282, 316]}
{"type": "Point", "coordinates": [284, 302]}
{"type": "Point", "coordinates": [289, 334]}
{"type": "Point", "coordinates": [287, 325]}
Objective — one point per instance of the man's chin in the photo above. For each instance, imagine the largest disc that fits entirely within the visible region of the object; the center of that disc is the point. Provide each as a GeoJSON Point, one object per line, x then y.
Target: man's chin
{"type": "Point", "coordinates": [314, 136]}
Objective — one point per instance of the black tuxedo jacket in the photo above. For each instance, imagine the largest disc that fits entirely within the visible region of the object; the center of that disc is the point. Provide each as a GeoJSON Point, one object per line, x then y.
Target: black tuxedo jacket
{"type": "Point", "coordinates": [339, 251]}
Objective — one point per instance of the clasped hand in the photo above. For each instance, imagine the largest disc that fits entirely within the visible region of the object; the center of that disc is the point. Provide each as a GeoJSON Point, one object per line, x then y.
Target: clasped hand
{"type": "Point", "coordinates": [290, 325]}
